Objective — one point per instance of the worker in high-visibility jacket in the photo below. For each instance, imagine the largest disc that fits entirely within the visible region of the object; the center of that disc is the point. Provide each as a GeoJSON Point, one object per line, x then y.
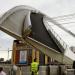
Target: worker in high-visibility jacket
{"type": "Point", "coordinates": [34, 67]}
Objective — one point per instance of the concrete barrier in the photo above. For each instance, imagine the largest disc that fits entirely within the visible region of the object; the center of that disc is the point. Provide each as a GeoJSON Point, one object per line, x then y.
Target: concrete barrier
{"type": "Point", "coordinates": [26, 70]}
{"type": "Point", "coordinates": [62, 69]}
{"type": "Point", "coordinates": [42, 70]}
{"type": "Point", "coordinates": [70, 72]}
{"type": "Point", "coordinates": [54, 70]}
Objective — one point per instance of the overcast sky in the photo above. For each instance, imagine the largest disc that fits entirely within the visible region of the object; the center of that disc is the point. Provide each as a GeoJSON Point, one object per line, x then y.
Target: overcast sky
{"type": "Point", "coordinates": [52, 8]}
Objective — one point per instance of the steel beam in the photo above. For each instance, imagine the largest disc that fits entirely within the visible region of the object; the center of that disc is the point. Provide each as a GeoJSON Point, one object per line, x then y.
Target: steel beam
{"type": "Point", "coordinates": [49, 51]}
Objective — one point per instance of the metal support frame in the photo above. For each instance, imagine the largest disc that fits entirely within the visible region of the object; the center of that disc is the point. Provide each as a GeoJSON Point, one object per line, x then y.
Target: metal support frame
{"type": "Point", "coordinates": [49, 51]}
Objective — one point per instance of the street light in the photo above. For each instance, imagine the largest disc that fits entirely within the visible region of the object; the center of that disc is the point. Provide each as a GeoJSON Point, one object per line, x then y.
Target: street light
{"type": "Point", "coordinates": [8, 53]}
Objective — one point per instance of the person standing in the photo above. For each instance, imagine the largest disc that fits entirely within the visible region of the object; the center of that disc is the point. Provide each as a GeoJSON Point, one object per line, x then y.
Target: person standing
{"type": "Point", "coordinates": [34, 67]}
{"type": "Point", "coordinates": [2, 72]}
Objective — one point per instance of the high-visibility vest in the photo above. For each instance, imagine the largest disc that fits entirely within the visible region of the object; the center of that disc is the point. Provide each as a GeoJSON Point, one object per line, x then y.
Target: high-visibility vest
{"type": "Point", "coordinates": [34, 66]}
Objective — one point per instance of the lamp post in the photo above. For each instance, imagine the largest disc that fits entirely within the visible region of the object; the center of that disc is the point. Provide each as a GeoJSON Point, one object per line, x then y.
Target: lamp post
{"type": "Point", "coordinates": [8, 53]}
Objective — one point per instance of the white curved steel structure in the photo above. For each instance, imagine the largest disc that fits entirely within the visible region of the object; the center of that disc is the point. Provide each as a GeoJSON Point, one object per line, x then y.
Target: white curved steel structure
{"type": "Point", "coordinates": [16, 22]}
{"type": "Point", "coordinates": [14, 19]}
